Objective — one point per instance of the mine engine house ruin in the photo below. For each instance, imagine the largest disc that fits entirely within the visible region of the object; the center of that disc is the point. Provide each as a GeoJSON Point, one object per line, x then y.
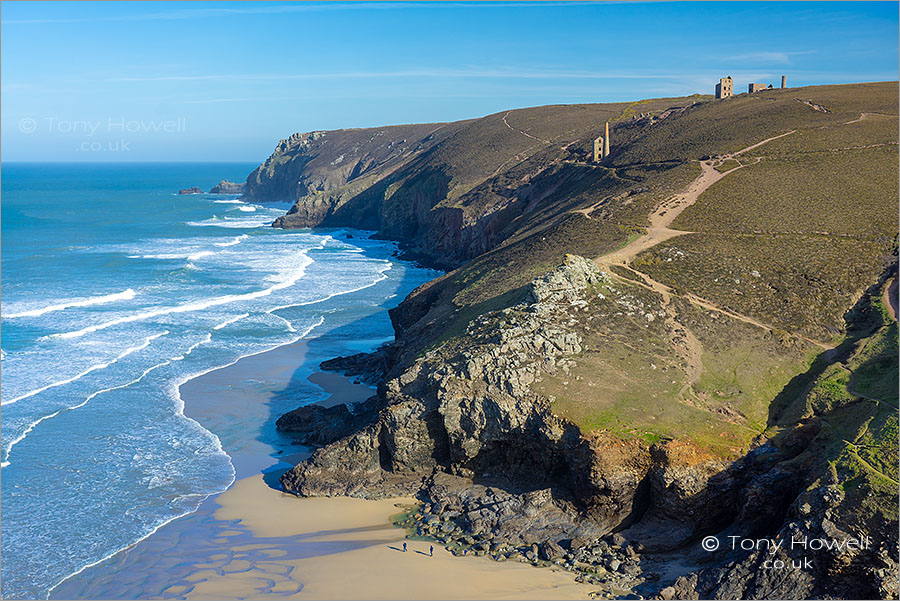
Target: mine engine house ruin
{"type": "Point", "coordinates": [601, 146]}
{"type": "Point", "coordinates": [725, 87]}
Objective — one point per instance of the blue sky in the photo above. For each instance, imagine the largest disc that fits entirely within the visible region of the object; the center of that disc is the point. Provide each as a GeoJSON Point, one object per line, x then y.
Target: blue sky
{"type": "Point", "coordinates": [209, 81]}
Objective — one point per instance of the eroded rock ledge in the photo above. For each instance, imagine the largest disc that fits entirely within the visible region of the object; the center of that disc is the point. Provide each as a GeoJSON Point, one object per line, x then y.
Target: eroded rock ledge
{"type": "Point", "coordinates": [499, 474]}
{"type": "Point", "coordinates": [467, 407]}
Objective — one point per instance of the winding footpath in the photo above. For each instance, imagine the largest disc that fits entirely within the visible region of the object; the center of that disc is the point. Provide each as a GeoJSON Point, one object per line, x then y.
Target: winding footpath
{"type": "Point", "coordinates": [889, 298]}
{"type": "Point", "coordinates": [686, 345]}
{"type": "Point", "coordinates": [660, 219]}
{"type": "Point", "coordinates": [506, 123]}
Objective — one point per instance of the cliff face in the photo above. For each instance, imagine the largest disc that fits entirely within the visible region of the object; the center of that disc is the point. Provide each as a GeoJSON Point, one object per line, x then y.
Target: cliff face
{"type": "Point", "coordinates": [719, 364]}
{"type": "Point", "coordinates": [447, 192]}
{"type": "Point", "coordinates": [322, 170]}
{"type": "Point", "coordinates": [469, 408]}
{"type": "Point", "coordinates": [498, 472]}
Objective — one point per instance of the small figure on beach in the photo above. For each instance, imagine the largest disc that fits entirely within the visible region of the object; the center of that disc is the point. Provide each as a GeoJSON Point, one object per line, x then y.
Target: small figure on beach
{"type": "Point", "coordinates": [404, 547]}
{"type": "Point", "coordinates": [431, 551]}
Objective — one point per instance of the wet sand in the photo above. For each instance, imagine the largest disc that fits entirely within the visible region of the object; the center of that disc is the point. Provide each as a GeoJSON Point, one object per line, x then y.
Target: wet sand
{"type": "Point", "coordinates": [249, 395]}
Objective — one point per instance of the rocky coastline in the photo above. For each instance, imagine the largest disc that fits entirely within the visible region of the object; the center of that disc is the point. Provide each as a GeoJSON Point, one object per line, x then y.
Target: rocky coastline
{"type": "Point", "coordinates": [467, 417]}
{"type": "Point", "coordinates": [499, 475]}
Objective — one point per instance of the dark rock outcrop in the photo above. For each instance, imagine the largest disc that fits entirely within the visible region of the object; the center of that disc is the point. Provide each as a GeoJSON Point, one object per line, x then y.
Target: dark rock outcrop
{"type": "Point", "coordinates": [372, 367]}
{"type": "Point", "coordinates": [812, 561]}
{"type": "Point", "coordinates": [317, 426]}
{"type": "Point", "coordinates": [227, 187]}
{"type": "Point", "coordinates": [192, 190]}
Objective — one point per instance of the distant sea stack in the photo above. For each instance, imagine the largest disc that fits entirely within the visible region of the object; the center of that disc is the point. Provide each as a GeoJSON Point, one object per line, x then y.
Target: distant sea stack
{"type": "Point", "coordinates": [192, 190]}
{"type": "Point", "coordinates": [227, 187]}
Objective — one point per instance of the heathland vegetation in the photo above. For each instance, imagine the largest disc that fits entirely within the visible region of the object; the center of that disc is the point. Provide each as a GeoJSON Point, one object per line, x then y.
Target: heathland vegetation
{"type": "Point", "coordinates": [722, 362]}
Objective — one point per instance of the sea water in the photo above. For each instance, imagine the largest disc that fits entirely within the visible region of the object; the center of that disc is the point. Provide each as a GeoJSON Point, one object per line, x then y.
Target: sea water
{"type": "Point", "coordinates": [116, 291]}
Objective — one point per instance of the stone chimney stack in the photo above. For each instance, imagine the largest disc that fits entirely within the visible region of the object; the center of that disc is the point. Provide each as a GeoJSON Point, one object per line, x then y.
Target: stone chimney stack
{"type": "Point", "coordinates": [783, 82]}
{"type": "Point", "coordinates": [606, 141]}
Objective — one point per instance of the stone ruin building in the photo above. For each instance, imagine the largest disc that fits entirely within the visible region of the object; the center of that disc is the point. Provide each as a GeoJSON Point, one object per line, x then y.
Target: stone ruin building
{"type": "Point", "coordinates": [725, 87]}
{"type": "Point", "coordinates": [601, 146]}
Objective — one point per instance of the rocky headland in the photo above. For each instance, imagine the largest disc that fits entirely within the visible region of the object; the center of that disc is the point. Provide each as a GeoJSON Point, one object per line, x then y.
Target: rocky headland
{"type": "Point", "coordinates": [628, 358]}
{"type": "Point", "coordinates": [227, 187]}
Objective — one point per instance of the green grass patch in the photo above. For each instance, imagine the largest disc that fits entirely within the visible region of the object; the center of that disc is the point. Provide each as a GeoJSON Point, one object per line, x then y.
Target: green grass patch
{"type": "Point", "coordinates": [628, 381]}
{"type": "Point", "coordinates": [876, 375]}
{"type": "Point", "coordinates": [743, 367]}
{"type": "Point", "coordinates": [728, 165]}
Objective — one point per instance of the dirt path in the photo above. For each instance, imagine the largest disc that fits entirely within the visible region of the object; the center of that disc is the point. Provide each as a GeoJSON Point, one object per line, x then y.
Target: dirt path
{"type": "Point", "coordinates": [851, 388]}
{"type": "Point", "coordinates": [889, 298]}
{"type": "Point", "coordinates": [874, 469]}
{"type": "Point", "coordinates": [506, 123]}
{"type": "Point", "coordinates": [685, 343]}
{"type": "Point", "coordinates": [666, 292]}
{"type": "Point", "coordinates": [518, 156]}
{"type": "Point", "coordinates": [670, 209]}
{"type": "Point", "coordinates": [858, 119]}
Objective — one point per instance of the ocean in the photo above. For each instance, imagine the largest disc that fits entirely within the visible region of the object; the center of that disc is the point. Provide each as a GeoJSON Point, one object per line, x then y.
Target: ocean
{"type": "Point", "coordinates": [116, 291]}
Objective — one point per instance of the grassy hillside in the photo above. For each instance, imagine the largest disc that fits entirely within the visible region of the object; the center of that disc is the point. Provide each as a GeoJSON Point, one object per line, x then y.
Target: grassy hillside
{"type": "Point", "coordinates": [853, 404]}
{"type": "Point", "coordinates": [704, 308]}
{"type": "Point", "coordinates": [777, 252]}
{"type": "Point", "coordinates": [793, 215]}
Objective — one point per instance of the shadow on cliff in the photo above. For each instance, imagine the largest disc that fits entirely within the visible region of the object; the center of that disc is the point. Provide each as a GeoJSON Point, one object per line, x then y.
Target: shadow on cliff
{"type": "Point", "coordinates": [752, 496]}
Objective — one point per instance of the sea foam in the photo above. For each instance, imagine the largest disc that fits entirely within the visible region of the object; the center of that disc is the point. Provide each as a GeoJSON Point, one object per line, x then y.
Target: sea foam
{"type": "Point", "coordinates": [233, 242]}
{"type": "Point", "coordinates": [33, 424]}
{"type": "Point", "coordinates": [91, 369]}
{"type": "Point", "coordinates": [291, 279]}
{"type": "Point", "coordinates": [262, 221]}
{"type": "Point", "coordinates": [87, 302]}
{"type": "Point", "coordinates": [230, 321]}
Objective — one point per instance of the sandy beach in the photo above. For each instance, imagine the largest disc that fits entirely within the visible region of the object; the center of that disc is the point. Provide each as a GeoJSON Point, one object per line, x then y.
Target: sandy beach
{"type": "Point", "coordinates": [254, 541]}
{"type": "Point", "coordinates": [331, 548]}
{"type": "Point", "coordinates": [368, 562]}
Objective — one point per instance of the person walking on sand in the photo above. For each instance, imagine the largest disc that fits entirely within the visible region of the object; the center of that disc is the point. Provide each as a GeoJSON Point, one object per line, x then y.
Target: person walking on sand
{"type": "Point", "coordinates": [431, 551]}
{"type": "Point", "coordinates": [404, 547]}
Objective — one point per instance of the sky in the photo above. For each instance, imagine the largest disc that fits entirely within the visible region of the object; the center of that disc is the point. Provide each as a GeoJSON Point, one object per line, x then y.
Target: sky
{"type": "Point", "coordinates": [225, 81]}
